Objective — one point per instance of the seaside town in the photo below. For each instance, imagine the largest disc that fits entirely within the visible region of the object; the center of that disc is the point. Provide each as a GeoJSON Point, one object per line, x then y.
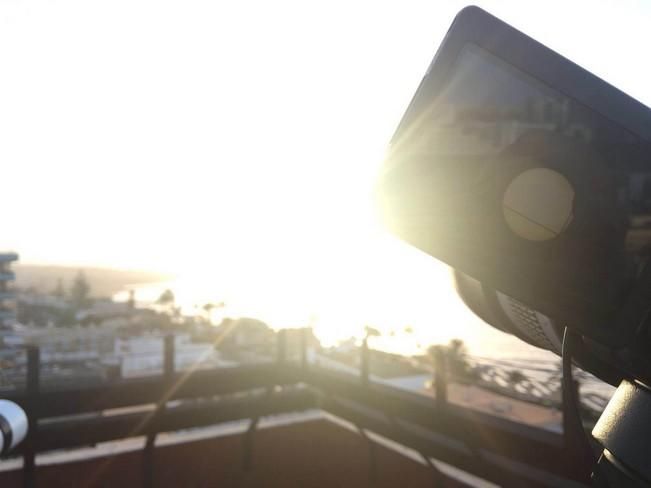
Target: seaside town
{"type": "Point", "coordinates": [325, 244]}
{"type": "Point", "coordinates": [86, 340]}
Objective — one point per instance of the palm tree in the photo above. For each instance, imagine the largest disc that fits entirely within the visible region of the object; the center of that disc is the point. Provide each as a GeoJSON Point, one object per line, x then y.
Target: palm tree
{"type": "Point", "coordinates": [80, 290]}
{"type": "Point", "coordinates": [166, 298]}
{"type": "Point", "coordinates": [456, 358]}
{"type": "Point", "coordinates": [458, 349]}
{"type": "Point", "coordinates": [209, 307]}
{"type": "Point", "coordinates": [365, 360]}
{"type": "Point", "coordinates": [457, 354]}
{"type": "Point", "coordinates": [370, 332]}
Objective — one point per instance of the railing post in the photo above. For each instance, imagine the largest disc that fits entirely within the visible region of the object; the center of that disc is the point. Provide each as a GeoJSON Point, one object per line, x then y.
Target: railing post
{"type": "Point", "coordinates": [32, 388]}
{"type": "Point", "coordinates": [303, 338]}
{"type": "Point", "coordinates": [281, 347]}
{"type": "Point", "coordinates": [440, 378]}
{"type": "Point", "coordinates": [247, 451]}
{"type": "Point", "coordinates": [168, 357]}
{"type": "Point", "coordinates": [364, 369]}
{"type": "Point", "coordinates": [152, 430]}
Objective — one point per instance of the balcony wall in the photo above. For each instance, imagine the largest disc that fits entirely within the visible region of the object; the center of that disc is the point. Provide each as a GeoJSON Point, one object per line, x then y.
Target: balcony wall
{"type": "Point", "coordinates": [316, 453]}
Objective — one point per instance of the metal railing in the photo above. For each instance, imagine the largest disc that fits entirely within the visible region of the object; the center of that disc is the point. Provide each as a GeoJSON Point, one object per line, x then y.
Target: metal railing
{"type": "Point", "coordinates": [497, 449]}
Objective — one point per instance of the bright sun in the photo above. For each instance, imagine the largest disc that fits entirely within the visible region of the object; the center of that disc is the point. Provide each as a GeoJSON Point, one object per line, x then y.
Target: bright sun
{"type": "Point", "coordinates": [234, 144]}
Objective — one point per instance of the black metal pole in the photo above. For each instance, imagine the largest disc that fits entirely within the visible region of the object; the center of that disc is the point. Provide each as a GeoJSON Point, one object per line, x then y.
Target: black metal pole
{"type": "Point", "coordinates": [364, 368]}
{"type": "Point", "coordinates": [152, 429]}
{"type": "Point", "coordinates": [303, 338]}
{"type": "Point", "coordinates": [575, 438]}
{"type": "Point", "coordinates": [440, 378]}
{"type": "Point", "coordinates": [168, 357]}
{"type": "Point", "coordinates": [32, 388]}
{"type": "Point", "coordinates": [281, 351]}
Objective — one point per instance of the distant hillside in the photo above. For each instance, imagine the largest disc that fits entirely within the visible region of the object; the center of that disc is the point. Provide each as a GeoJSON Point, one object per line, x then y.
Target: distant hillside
{"type": "Point", "coordinates": [104, 282]}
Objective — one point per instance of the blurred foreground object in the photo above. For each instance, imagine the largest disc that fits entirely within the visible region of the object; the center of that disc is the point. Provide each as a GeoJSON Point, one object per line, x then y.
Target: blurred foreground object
{"type": "Point", "coordinates": [13, 426]}
{"type": "Point", "coordinates": [531, 177]}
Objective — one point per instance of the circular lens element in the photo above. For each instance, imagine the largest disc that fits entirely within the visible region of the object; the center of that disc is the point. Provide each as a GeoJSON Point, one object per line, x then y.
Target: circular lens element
{"type": "Point", "coordinates": [537, 204]}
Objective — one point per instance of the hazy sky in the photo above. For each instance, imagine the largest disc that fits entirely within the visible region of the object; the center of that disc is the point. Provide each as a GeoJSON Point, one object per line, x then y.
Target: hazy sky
{"type": "Point", "coordinates": [238, 140]}
{"type": "Point", "coordinates": [153, 134]}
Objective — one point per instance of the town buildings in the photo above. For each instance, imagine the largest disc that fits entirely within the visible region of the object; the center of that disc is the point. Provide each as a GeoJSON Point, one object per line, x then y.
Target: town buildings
{"type": "Point", "coordinates": [7, 303]}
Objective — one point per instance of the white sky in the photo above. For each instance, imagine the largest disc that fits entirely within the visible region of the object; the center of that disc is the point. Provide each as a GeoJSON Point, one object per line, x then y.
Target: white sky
{"type": "Point", "coordinates": [237, 141]}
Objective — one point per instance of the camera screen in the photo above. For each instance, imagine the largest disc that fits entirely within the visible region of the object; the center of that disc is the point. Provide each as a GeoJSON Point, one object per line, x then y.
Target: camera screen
{"type": "Point", "coordinates": [504, 170]}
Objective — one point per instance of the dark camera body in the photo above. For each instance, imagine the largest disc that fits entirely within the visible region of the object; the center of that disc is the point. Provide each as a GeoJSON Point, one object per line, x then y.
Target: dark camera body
{"type": "Point", "coordinates": [531, 177]}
